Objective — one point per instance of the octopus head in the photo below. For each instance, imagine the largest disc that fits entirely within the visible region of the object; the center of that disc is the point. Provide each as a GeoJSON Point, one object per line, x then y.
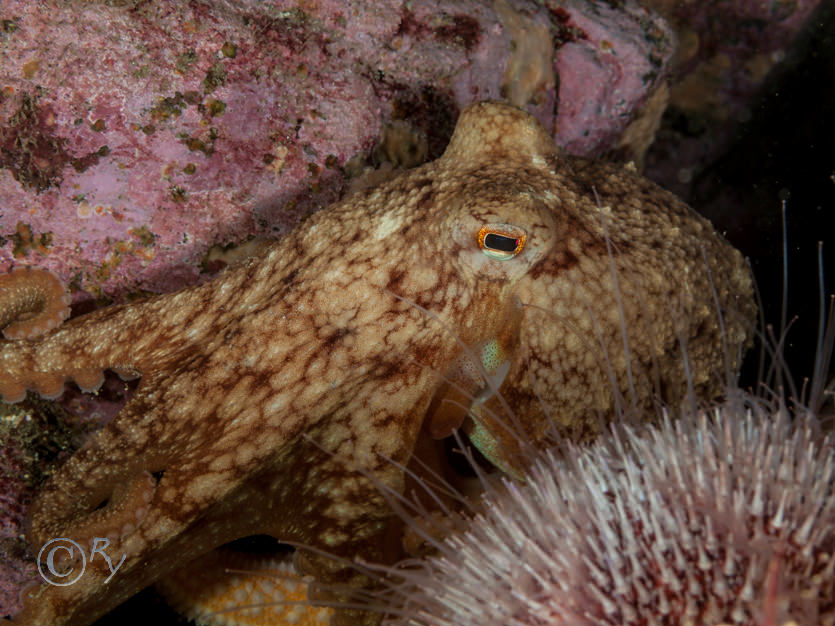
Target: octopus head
{"type": "Point", "coordinates": [589, 290]}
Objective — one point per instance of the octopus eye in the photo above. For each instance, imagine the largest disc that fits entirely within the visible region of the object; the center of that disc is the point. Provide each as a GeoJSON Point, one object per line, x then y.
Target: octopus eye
{"type": "Point", "coordinates": [501, 241]}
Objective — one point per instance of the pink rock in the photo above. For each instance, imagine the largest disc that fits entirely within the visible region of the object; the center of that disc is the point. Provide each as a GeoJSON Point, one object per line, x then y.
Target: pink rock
{"type": "Point", "coordinates": [132, 140]}
{"type": "Point", "coordinates": [15, 572]}
{"type": "Point", "coordinates": [612, 58]}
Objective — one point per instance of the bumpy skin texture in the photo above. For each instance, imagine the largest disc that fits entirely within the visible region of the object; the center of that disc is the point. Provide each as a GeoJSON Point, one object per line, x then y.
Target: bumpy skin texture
{"type": "Point", "coordinates": [32, 301]}
{"type": "Point", "coordinates": [275, 397]}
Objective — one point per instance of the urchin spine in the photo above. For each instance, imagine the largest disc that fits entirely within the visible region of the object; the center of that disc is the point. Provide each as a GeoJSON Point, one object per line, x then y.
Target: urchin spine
{"type": "Point", "coordinates": [726, 517]}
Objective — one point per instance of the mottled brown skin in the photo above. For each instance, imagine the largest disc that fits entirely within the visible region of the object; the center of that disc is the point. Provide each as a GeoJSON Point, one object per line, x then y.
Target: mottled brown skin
{"type": "Point", "coordinates": [32, 301]}
{"type": "Point", "coordinates": [271, 395]}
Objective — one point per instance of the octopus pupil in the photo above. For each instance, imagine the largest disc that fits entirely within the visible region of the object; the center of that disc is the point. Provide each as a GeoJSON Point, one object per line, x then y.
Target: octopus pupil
{"type": "Point", "coordinates": [500, 242]}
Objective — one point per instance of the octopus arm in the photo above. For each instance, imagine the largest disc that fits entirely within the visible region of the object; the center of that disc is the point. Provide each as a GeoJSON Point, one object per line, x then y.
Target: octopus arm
{"type": "Point", "coordinates": [162, 532]}
{"type": "Point", "coordinates": [204, 454]}
{"type": "Point", "coordinates": [129, 339]}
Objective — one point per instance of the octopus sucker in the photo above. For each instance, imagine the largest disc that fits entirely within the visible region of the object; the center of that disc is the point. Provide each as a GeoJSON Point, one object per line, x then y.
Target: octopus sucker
{"type": "Point", "coordinates": [89, 380]}
{"type": "Point", "coordinates": [32, 301]}
{"type": "Point", "coordinates": [278, 398]}
{"type": "Point", "coordinates": [126, 506]}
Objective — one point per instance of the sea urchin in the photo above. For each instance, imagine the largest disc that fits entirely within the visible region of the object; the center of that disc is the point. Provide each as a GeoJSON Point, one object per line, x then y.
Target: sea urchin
{"type": "Point", "coordinates": [725, 517]}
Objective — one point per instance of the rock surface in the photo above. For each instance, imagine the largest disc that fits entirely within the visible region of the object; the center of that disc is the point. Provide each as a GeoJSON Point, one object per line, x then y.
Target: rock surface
{"type": "Point", "coordinates": [135, 137]}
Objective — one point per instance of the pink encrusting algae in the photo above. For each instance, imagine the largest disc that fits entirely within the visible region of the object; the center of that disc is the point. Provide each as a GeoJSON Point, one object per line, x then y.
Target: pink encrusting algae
{"type": "Point", "coordinates": [133, 139]}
